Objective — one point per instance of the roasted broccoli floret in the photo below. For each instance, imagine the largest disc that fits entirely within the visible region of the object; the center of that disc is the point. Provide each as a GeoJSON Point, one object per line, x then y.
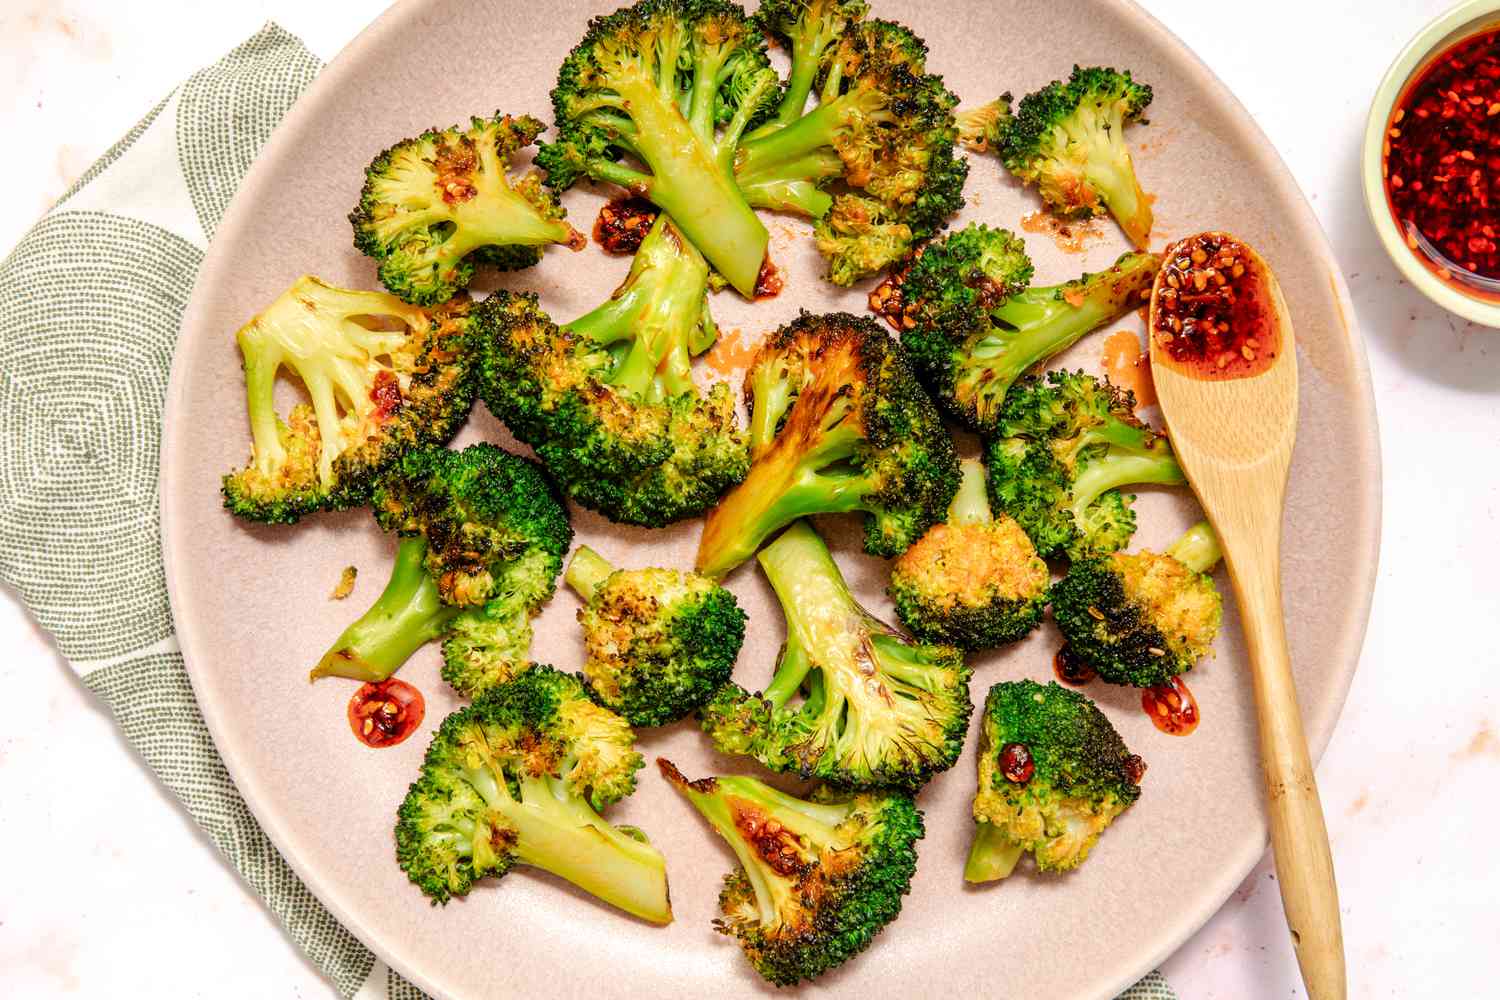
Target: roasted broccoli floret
{"type": "Point", "coordinates": [881, 134]}
{"type": "Point", "coordinates": [1142, 618]}
{"type": "Point", "coordinates": [1064, 445]}
{"type": "Point", "coordinates": [435, 205]}
{"type": "Point", "coordinates": [659, 642]}
{"type": "Point", "coordinates": [837, 423]}
{"type": "Point", "coordinates": [877, 709]}
{"type": "Point", "coordinates": [483, 537]}
{"type": "Point", "coordinates": [384, 377]}
{"type": "Point", "coordinates": [980, 128]}
{"type": "Point", "coordinates": [972, 327]}
{"type": "Point", "coordinates": [1069, 140]}
{"type": "Point", "coordinates": [519, 778]}
{"type": "Point", "coordinates": [1053, 774]}
{"type": "Point", "coordinates": [608, 400]}
{"type": "Point", "coordinates": [818, 878]}
{"type": "Point", "coordinates": [975, 581]}
{"type": "Point", "coordinates": [673, 84]}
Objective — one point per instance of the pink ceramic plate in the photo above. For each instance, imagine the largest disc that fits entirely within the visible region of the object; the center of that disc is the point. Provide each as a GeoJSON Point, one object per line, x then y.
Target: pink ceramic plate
{"type": "Point", "coordinates": [253, 610]}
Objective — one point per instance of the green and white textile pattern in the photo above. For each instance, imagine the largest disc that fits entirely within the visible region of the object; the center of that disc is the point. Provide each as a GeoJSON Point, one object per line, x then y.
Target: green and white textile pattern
{"type": "Point", "coordinates": [90, 304]}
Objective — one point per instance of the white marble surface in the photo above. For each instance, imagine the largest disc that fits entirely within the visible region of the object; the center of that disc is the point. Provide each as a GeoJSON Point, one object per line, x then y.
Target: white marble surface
{"type": "Point", "coordinates": [109, 890]}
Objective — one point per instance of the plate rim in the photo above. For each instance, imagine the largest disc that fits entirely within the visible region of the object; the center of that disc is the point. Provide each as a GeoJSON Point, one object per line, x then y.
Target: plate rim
{"type": "Point", "coordinates": [402, 15]}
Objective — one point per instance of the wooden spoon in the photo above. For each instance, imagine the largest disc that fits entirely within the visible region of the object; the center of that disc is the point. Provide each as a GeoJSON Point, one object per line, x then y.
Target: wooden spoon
{"type": "Point", "coordinates": [1224, 359]}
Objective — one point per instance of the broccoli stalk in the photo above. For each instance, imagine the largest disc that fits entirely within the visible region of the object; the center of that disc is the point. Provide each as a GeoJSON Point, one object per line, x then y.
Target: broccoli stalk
{"type": "Point", "coordinates": [406, 616]}
{"type": "Point", "coordinates": [656, 81]}
{"type": "Point", "coordinates": [809, 28]}
{"type": "Point", "coordinates": [519, 777]}
{"type": "Point", "coordinates": [587, 571]}
{"type": "Point", "coordinates": [880, 710]}
{"type": "Point", "coordinates": [838, 424]}
{"type": "Point", "coordinates": [1198, 548]}
{"type": "Point", "coordinates": [818, 878]}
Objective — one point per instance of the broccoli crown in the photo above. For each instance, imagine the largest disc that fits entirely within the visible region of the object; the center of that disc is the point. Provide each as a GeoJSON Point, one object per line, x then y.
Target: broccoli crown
{"type": "Point", "coordinates": [837, 423]}
{"type": "Point", "coordinates": [1138, 618]}
{"type": "Point", "coordinates": [818, 878]}
{"type": "Point", "coordinates": [882, 133]}
{"type": "Point", "coordinates": [519, 777]}
{"type": "Point", "coordinates": [853, 701]}
{"type": "Point", "coordinates": [481, 511]}
{"type": "Point", "coordinates": [1053, 774]}
{"type": "Point", "coordinates": [1063, 447]}
{"type": "Point", "coordinates": [981, 128]}
{"type": "Point", "coordinates": [973, 327]}
{"type": "Point", "coordinates": [1068, 139]}
{"type": "Point", "coordinates": [659, 643]}
{"type": "Point", "coordinates": [488, 645]}
{"type": "Point", "coordinates": [383, 378]}
{"type": "Point", "coordinates": [608, 401]}
{"type": "Point", "coordinates": [975, 581]}
{"type": "Point", "coordinates": [434, 205]}
{"type": "Point", "coordinates": [672, 84]}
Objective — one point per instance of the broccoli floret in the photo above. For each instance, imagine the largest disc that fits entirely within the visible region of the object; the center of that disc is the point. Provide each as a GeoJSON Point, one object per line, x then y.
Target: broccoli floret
{"type": "Point", "coordinates": [483, 538]}
{"type": "Point", "coordinates": [519, 777]}
{"type": "Point", "coordinates": [608, 401]}
{"type": "Point", "coordinates": [659, 642]}
{"type": "Point", "coordinates": [980, 128]}
{"type": "Point", "coordinates": [1053, 774]}
{"type": "Point", "coordinates": [1142, 618]}
{"type": "Point", "coordinates": [1064, 445]}
{"type": "Point", "coordinates": [877, 708]}
{"type": "Point", "coordinates": [974, 582]}
{"type": "Point", "coordinates": [882, 134]}
{"type": "Point", "coordinates": [384, 377]}
{"type": "Point", "coordinates": [837, 423]}
{"type": "Point", "coordinates": [972, 326]}
{"type": "Point", "coordinates": [1069, 140]}
{"type": "Point", "coordinates": [435, 205]}
{"type": "Point", "coordinates": [818, 878]}
{"type": "Point", "coordinates": [673, 84]}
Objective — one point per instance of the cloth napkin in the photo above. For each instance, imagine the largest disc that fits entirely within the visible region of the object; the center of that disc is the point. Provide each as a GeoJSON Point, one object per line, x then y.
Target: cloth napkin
{"type": "Point", "coordinates": [90, 304]}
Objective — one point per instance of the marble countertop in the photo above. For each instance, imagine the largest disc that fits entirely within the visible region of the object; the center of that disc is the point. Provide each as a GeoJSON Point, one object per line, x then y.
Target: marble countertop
{"type": "Point", "coordinates": [109, 889]}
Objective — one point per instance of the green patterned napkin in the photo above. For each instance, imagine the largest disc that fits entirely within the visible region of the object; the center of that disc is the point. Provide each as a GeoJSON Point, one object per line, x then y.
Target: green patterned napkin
{"type": "Point", "coordinates": [90, 302]}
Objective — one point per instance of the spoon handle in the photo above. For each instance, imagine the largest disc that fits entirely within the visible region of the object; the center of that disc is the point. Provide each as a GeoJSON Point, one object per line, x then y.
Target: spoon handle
{"type": "Point", "coordinates": [1299, 838]}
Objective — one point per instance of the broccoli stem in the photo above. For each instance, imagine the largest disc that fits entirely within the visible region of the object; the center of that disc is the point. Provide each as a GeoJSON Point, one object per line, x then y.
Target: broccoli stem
{"type": "Point", "coordinates": [587, 572]}
{"type": "Point", "coordinates": [1116, 470]}
{"type": "Point", "coordinates": [658, 310]}
{"type": "Point", "coordinates": [814, 598]}
{"type": "Point", "coordinates": [407, 615]}
{"type": "Point", "coordinates": [992, 856]}
{"type": "Point", "coordinates": [971, 504]}
{"type": "Point", "coordinates": [691, 182]}
{"type": "Point", "coordinates": [777, 194]}
{"type": "Point", "coordinates": [782, 169]}
{"type": "Point", "coordinates": [1198, 549]}
{"type": "Point", "coordinates": [1110, 170]}
{"type": "Point", "coordinates": [260, 391]}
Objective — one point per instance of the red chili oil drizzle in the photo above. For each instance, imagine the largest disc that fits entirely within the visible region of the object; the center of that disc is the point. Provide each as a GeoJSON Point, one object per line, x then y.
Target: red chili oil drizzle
{"type": "Point", "coordinates": [623, 223]}
{"type": "Point", "coordinates": [1135, 768]}
{"type": "Point", "coordinates": [1213, 315]}
{"type": "Point", "coordinates": [386, 395]}
{"type": "Point", "coordinates": [1442, 162]}
{"type": "Point", "coordinates": [1172, 707]}
{"type": "Point", "coordinates": [1070, 668]}
{"type": "Point", "coordinates": [384, 714]}
{"type": "Point", "coordinates": [1016, 763]}
{"type": "Point", "coordinates": [769, 283]}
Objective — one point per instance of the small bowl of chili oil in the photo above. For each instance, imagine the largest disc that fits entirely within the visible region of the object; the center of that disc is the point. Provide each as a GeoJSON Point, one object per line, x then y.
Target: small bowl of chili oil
{"type": "Point", "coordinates": [1431, 161]}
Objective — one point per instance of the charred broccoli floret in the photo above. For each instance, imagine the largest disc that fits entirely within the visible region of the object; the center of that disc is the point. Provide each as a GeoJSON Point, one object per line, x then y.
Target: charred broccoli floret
{"type": "Point", "coordinates": [435, 205]}
{"type": "Point", "coordinates": [1142, 618]}
{"type": "Point", "coordinates": [1069, 140]}
{"type": "Point", "coordinates": [972, 326]}
{"type": "Point", "coordinates": [483, 537]}
{"type": "Point", "coordinates": [882, 135]}
{"type": "Point", "coordinates": [673, 84]}
{"type": "Point", "coordinates": [877, 709]}
{"type": "Point", "coordinates": [1053, 774]}
{"type": "Point", "coordinates": [837, 423]}
{"type": "Point", "coordinates": [975, 581]}
{"type": "Point", "coordinates": [608, 400]}
{"type": "Point", "coordinates": [1064, 446]}
{"type": "Point", "coordinates": [659, 642]}
{"type": "Point", "coordinates": [384, 377]}
{"type": "Point", "coordinates": [818, 878]}
{"type": "Point", "coordinates": [519, 778]}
